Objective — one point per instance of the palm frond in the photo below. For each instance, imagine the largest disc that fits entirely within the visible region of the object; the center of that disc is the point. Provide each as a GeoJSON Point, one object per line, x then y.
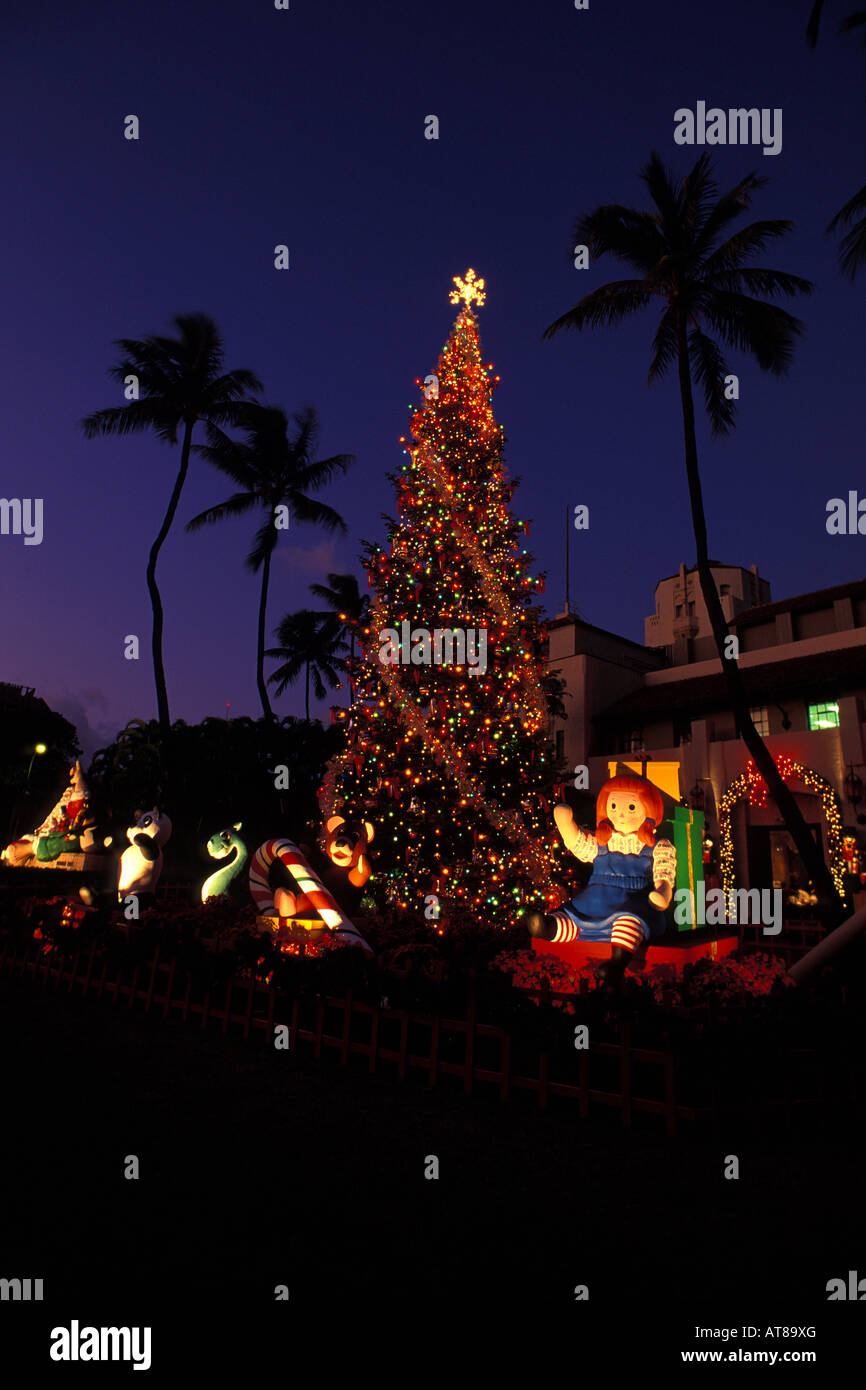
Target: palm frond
{"type": "Point", "coordinates": [766, 331]}
{"type": "Point", "coordinates": [237, 505]}
{"type": "Point", "coordinates": [855, 20]}
{"type": "Point", "coordinates": [133, 418]}
{"type": "Point", "coordinates": [604, 307]}
{"type": "Point", "coordinates": [699, 189]}
{"type": "Point", "coordinates": [664, 346]}
{"type": "Point", "coordinates": [666, 196]}
{"type": "Point", "coordinates": [710, 369]}
{"type": "Point", "coordinates": [814, 24]}
{"type": "Point", "coordinates": [852, 247]}
{"type": "Point", "coordinates": [752, 280]}
{"type": "Point", "coordinates": [264, 544]}
{"type": "Point", "coordinates": [308, 511]}
{"type": "Point", "coordinates": [748, 241]}
{"type": "Point", "coordinates": [318, 473]}
{"type": "Point", "coordinates": [728, 207]}
{"type": "Point", "coordinates": [627, 234]}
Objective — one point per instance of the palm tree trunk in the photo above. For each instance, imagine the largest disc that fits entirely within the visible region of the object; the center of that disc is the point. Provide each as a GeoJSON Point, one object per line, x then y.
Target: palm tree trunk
{"type": "Point", "coordinates": [260, 647]}
{"type": "Point", "coordinates": [155, 600]}
{"type": "Point", "coordinates": [350, 680]}
{"type": "Point", "coordinates": [809, 851]}
{"type": "Point", "coordinates": [307, 692]}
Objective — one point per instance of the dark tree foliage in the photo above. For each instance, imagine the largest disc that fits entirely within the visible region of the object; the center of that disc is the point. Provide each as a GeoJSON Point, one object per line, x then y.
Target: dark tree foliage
{"type": "Point", "coordinates": [213, 774]}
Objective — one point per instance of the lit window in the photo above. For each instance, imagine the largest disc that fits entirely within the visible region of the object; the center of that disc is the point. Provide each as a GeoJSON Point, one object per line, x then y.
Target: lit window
{"type": "Point", "coordinates": [824, 716]}
{"type": "Point", "coordinates": [761, 720]}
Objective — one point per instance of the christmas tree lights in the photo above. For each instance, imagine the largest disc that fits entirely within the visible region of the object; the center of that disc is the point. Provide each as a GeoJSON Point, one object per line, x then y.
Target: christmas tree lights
{"type": "Point", "coordinates": [453, 761]}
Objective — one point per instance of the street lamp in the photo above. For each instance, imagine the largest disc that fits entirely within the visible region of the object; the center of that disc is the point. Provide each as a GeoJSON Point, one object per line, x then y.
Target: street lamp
{"type": "Point", "coordinates": [38, 748]}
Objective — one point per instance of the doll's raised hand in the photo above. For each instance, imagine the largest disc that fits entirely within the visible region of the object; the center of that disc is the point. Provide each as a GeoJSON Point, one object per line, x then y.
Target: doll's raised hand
{"type": "Point", "coordinates": [576, 841]}
{"type": "Point", "coordinates": [565, 824]}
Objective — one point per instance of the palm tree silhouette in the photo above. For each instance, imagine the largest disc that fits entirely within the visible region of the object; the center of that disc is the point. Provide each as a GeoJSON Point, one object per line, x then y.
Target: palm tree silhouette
{"type": "Point", "coordinates": [178, 381]}
{"type": "Point", "coordinates": [313, 643]}
{"type": "Point", "coordinates": [352, 607]}
{"type": "Point", "coordinates": [273, 469]}
{"type": "Point", "coordinates": [700, 282]}
{"type": "Point", "coordinates": [852, 247]}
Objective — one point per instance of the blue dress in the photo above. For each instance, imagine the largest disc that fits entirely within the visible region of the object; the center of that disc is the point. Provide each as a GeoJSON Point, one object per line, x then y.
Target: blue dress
{"type": "Point", "coordinates": [619, 883]}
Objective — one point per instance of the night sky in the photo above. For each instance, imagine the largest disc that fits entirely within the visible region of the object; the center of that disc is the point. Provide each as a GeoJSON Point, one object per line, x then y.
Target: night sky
{"type": "Point", "coordinates": [306, 127]}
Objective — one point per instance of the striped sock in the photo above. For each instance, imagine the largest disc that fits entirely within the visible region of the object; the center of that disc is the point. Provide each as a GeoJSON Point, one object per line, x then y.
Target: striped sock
{"type": "Point", "coordinates": [566, 929]}
{"type": "Point", "coordinates": [626, 932]}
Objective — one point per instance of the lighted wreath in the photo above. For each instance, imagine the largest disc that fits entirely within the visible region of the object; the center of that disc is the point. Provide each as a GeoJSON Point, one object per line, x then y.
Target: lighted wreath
{"type": "Point", "coordinates": [751, 783]}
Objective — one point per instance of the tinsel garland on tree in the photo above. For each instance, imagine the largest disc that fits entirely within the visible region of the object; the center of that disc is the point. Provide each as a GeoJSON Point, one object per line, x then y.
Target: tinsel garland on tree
{"type": "Point", "coordinates": [454, 768]}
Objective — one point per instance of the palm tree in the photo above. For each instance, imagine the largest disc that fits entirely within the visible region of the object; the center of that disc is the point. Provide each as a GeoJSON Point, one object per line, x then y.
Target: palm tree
{"type": "Point", "coordinates": [178, 381]}
{"type": "Point", "coordinates": [701, 282]}
{"type": "Point", "coordinates": [852, 247]}
{"type": "Point", "coordinates": [313, 643]}
{"type": "Point", "coordinates": [343, 597]}
{"type": "Point", "coordinates": [273, 469]}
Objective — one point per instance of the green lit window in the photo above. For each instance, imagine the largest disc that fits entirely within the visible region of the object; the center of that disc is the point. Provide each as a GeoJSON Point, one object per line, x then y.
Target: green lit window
{"type": "Point", "coordinates": [761, 720]}
{"type": "Point", "coordinates": [824, 716]}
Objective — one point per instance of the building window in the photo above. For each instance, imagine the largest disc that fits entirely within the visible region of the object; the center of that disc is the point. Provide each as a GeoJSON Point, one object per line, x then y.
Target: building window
{"type": "Point", "coordinates": [560, 745]}
{"type": "Point", "coordinates": [678, 611]}
{"type": "Point", "coordinates": [761, 719]}
{"type": "Point", "coordinates": [691, 610]}
{"type": "Point", "coordinates": [724, 590]}
{"type": "Point", "coordinates": [632, 742]}
{"type": "Point", "coordinates": [824, 716]}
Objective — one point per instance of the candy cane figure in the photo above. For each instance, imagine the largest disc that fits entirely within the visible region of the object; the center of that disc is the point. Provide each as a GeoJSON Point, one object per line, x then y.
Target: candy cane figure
{"type": "Point", "coordinates": [310, 892]}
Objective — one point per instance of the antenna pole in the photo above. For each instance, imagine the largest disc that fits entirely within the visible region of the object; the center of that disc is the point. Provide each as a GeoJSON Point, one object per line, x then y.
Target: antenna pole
{"type": "Point", "coordinates": [567, 575]}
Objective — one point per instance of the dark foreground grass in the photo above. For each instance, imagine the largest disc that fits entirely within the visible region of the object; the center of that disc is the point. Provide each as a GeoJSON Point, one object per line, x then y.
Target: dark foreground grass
{"type": "Point", "coordinates": [261, 1168]}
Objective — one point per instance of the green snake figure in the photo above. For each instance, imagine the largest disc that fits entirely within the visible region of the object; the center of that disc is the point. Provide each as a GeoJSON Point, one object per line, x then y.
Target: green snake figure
{"type": "Point", "coordinates": [219, 846]}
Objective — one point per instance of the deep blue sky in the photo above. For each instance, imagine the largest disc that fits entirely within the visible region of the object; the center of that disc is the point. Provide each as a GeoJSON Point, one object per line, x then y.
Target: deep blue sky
{"type": "Point", "coordinates": [307, 127]}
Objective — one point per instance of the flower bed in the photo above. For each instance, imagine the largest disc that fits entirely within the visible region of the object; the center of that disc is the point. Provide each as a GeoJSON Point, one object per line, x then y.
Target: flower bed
{"type": "Point", "coordinates": [423, 965]}
{"type": "Point", "coordinates": [737, 978]}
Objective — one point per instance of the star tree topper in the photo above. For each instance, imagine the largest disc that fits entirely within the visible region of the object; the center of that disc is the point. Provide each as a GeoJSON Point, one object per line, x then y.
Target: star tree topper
{"type": "Point", "coordinates": [468, 289]}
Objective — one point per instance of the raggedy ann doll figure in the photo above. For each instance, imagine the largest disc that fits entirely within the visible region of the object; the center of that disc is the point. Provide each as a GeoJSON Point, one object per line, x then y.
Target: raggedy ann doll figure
{"type": "Point", "coordinates": [632, 878]}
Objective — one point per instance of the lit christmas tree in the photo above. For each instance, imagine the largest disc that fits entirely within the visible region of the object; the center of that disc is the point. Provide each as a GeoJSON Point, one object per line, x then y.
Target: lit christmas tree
{"type": "Point", "coordinates": [447, 749]}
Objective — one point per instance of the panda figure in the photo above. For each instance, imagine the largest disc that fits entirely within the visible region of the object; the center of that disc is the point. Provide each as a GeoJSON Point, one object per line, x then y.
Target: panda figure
{"type": "Point", "coordinates": [141, 864]}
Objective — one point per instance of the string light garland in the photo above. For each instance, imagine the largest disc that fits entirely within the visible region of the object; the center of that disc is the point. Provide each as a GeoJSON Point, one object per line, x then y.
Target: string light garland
{"type": "Point", "coordinates": [455, 768]}
{"type": "Point", "coordinates": [750, 783]}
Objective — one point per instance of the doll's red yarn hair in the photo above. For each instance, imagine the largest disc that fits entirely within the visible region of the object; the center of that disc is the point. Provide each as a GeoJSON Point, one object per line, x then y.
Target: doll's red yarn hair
{"type": "Point", "coordinates": [649, 796]}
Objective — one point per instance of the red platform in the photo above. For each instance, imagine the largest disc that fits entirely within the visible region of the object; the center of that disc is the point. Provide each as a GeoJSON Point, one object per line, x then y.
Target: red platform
{"type": "Point", "coordinates": [690, 946]}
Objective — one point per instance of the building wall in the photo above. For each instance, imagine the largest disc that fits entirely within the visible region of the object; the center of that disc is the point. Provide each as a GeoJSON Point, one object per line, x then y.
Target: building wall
{"type": "Point", "coordinates": [681, 614]}
{"type": "Point", "coordinates": [598, 668]}
{"type": "Point", "coordinates": [702, 741]}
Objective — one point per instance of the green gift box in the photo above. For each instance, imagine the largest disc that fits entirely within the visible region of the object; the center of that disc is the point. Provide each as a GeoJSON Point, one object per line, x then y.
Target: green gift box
{"type": "Point", "coordinates": [684, 827]}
